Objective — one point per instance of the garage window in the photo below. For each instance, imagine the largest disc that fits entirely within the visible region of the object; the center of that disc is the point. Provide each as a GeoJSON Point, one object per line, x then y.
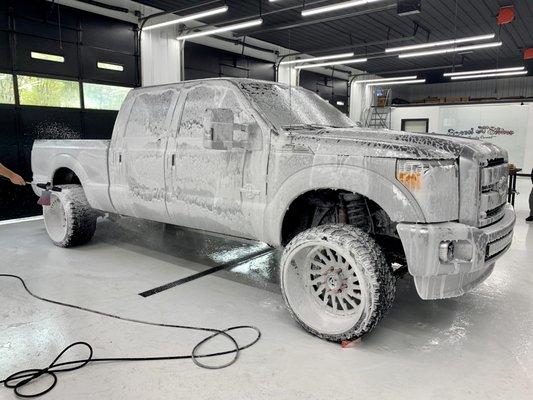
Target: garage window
{"type": "Point", "coordinates": [104, 97]}
{"type": "Point", "coordinates": [47, 57]}
{"type": "Point", "coordinates": [110, 66]}
{"type": "Point", "coordinates": [7, 93]}
{"type": "Point", "coordinates": [35, 91]}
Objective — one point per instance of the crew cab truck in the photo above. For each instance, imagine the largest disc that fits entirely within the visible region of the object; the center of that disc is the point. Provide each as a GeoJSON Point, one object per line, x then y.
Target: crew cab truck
{"type": "Point", "coordinates": [278, 164]}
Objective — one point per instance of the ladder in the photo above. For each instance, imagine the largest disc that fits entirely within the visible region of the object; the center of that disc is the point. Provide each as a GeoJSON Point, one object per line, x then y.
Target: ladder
{"type": "Point", "coordinates": [379, 113]}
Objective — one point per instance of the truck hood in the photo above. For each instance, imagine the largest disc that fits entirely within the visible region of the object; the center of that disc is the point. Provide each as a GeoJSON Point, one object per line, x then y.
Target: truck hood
{"type": "Point", "coordinates": [394, 144]}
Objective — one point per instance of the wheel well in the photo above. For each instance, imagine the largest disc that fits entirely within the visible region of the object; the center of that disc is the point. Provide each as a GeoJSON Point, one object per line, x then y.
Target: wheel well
{"type": "Point", "coordinates": [64, 176]}
{"type": "Point", "coordinates": [329, 206]}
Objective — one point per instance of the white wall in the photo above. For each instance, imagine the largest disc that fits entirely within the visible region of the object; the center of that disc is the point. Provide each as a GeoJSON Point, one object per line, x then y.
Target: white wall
{"type": "Point", "coordinates": [161, 56]}
{"type": "Point", "coordinates": [399, 113]}
{"type": "Point", "coordinates": [435, 114]}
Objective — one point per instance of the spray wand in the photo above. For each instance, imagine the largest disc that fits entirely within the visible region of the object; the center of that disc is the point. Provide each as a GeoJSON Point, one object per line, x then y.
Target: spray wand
{"type": "Point", "coordinates": [48, 188]}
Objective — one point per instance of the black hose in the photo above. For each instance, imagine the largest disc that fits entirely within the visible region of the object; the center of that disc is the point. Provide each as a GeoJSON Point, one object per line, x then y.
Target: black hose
{"type": "Point", "coordinates": [20, 379]}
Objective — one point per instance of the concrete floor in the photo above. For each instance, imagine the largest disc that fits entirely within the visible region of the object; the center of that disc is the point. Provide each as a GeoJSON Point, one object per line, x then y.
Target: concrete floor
{"type": "Point", "coordinates": [475, 346]}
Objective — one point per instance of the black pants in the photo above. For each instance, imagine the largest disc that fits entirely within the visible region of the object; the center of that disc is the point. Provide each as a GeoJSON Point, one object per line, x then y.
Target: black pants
{"type": "Point", "coordinates": [531, 203]}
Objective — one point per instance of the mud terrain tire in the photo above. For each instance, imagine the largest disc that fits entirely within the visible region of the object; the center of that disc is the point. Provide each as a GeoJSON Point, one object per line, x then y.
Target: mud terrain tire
{"type": "Point", "coordinates": [69, 219]}
{"type": "Point", "coordinates": [319, 293]}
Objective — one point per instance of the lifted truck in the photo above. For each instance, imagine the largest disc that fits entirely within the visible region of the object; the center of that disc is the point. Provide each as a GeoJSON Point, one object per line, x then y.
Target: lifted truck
{"type": "Point", "coordinates": [264, 161]}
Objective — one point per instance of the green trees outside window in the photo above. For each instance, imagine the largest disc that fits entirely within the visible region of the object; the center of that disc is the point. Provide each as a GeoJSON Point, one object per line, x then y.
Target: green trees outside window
{"type": "Point", "coordinates": [7, 93]}
{"type": "Point", "coordinates": [104, 97]}
{"type": "Point", "coordinates": [35, 91]}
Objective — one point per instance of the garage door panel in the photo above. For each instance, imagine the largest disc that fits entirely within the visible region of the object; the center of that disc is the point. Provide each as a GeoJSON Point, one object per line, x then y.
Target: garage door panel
{"type": "Point", "coordinates": [98, 124]}
{"type": "Point", "coordinates": [26, 64]}
{"type": "Point", "coordinates": [91, 71]}
{"type": "Point", "coordinates": [8, 133]}
{"type": "Point", "coordinates": [49, 123]}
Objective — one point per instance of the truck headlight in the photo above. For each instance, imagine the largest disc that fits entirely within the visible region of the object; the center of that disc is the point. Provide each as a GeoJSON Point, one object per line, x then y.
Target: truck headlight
{"type": "Point", "coordinates": [434, 184]}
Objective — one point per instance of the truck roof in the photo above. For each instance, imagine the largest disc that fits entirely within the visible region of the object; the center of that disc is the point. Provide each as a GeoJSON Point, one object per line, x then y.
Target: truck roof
{"type": "Point", "coordinates": [192, 81]}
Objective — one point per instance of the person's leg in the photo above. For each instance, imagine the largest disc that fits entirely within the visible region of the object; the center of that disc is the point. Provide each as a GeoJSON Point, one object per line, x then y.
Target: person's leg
{"type": "Point", "coordinates": [530, 218]}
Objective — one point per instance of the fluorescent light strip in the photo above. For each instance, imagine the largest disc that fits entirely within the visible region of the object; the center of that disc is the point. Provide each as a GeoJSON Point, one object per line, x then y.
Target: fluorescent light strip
{"type": "Point", "coordinates": [397, 82]}
{"type": "Point", "coordinates": [350, 61]}
{"type": "Point", "coordinates": [400, 78]}
{"type": "Point", "coordinates": [47, 57]}
{"type": "Point", "coordinates": [335, 7]}
{"type": "Point", "coordinates": [227, 28]}
{"type": "Point", "coordinates": [441, 43]}
{"type": "Point", "coordinates": [489, 75]}
{"type": "Point", "coordinates": [191, 17]}
{"type": "Point", "coordinates": [317, 58]}
{"type": "Point", "coordinates": [450, 50]}
{"type": "Point", "coordinates": [483, 71]}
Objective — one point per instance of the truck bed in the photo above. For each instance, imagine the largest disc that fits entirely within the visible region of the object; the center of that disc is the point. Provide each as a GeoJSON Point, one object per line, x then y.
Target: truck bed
{"type": "Point", "coordinates": [86, 158]}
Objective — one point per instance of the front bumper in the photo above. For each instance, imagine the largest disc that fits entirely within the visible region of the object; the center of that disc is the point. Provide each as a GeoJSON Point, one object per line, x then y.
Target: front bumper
{"type": "Point", "coordinates": [476, 252]}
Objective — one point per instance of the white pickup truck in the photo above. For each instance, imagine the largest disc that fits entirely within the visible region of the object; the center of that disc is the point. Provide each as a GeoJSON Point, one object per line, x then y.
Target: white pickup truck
{"type": "Point", "coordinates": [264, 161]}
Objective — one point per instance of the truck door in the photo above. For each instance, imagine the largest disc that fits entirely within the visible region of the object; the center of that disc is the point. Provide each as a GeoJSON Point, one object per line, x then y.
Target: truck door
{"type": "Point", "coordinates": [215, 189]}
{"type": "Point", "coordinates": [138, 187]}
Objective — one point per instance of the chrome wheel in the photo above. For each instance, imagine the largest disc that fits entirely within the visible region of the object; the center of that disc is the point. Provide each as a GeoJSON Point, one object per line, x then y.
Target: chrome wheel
{"type": "Point", "coordinates": [55, 219]}
{"type": "Point", "coordinates": [333, 282]}
{"type": "Point", "coordinates": [325, 287]}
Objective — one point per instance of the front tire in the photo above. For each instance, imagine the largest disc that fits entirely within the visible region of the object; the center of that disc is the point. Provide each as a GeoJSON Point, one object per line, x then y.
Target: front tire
{"type": "Point", "coordinates": [69, 219]}
{"type": "Point", "coordinates": [336, 281]}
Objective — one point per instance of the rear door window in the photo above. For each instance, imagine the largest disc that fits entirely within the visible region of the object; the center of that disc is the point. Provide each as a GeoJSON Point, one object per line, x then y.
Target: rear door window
{"type": "Point", "coordinates": [151, 114]}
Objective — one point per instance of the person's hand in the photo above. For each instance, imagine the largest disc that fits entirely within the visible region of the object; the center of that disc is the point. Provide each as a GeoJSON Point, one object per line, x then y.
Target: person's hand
{"type": "Point", "coordinates": [17, 180]}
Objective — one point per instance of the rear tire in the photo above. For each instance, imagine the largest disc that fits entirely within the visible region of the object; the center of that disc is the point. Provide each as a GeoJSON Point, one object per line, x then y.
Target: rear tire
{"type": "Point", "coordinates": [336, 281]}
{"type": "Point", "coordinates": [69, 219]}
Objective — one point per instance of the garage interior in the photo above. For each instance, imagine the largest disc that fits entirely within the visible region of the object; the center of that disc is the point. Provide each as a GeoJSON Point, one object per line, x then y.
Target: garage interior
{"type": "Point", "coordinates": [66, 68]}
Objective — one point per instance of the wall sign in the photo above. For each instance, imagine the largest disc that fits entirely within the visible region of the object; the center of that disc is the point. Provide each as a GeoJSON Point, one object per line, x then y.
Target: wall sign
{"type": "Point", "coordinates": [504, 125]}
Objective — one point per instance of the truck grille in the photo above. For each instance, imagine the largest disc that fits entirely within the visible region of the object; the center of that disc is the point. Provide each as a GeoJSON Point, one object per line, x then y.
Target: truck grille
{"type": "Point", "coordinates": [493, 194]}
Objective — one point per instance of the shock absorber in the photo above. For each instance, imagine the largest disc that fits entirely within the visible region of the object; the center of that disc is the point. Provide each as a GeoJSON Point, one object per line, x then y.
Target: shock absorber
{"type": "Point", "coordinates": [356, 211]}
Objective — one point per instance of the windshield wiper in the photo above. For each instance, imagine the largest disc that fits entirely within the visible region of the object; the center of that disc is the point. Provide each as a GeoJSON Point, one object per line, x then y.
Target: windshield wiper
{"type": "Point", "coordinates": [304, 126]}
{"type": "Point", "coordinates": [313, 126]}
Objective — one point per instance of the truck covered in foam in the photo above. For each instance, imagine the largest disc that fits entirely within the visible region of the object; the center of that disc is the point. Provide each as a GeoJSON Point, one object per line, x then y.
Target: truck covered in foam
{"type": "Point", "coordinates": [353, 206]}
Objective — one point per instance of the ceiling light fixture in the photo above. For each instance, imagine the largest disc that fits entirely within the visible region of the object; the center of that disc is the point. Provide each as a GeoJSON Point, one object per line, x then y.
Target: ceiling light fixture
{"type": "Point", "coordinates": [441, 43]}
{"type": "Point", "coordinates": [400, 78]}
{"type": "Point", "coordinates": [397, 82]}
{"type": "Point", "coordinates": [489, 75]}
{"type": "Point", "coordinates": [450, 50]}
{"type": "Point", "coordinates": [198, 15]}
{"type": "Point", "coordinates": [317, 58]}
{"type": "Point", "coordinates": [350, 61]}
{"type": "Point", "coordinates": [226, 28]}
{"type": "Point", "coordinates": [338, 6]}
{"type": "Point", "coordinates": [484, 71]}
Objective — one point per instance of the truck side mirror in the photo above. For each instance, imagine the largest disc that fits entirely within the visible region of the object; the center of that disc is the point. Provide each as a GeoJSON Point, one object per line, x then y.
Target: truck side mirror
{"type": "Point", "coordinates": [218, 132]}
{"type": "Point", "coordinates": [222, 133]}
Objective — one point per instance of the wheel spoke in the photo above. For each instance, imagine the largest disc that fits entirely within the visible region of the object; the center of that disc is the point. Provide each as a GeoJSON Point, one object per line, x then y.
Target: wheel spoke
{"type": "Point", "coordinates": [340, 302]}
{"type": "Point", "coordinates": [330, 254]}
{"type": "Point", "coordinates": [350, 301]}
{"type": "Point", "coordinates": [325, 299]}
{"type": "Point", "coordinates": [323, 258]}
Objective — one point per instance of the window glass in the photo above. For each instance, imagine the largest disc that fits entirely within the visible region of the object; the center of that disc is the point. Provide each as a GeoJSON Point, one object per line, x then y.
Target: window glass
{"type": "Point", "coordinates": [201, 98]}
{"type": "Point", "coordinates": [150, 113]}
{"type": "Point", "coordinates": [7, 93]}
{"type": "Point", "coordinates": [35, 91]}
{"type": "Point", "coordinates": [104, 97]}
{"type": "Point", "coordinates": [285, 106]}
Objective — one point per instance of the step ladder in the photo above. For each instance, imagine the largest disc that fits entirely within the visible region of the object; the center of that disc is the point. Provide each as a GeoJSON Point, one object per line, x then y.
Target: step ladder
{"type": "Point", "coordinates": [379, 113]}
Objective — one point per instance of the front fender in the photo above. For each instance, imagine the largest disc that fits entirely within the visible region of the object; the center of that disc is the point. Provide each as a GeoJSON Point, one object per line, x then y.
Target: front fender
{"type": "Point", "coordinates": [399, 206]}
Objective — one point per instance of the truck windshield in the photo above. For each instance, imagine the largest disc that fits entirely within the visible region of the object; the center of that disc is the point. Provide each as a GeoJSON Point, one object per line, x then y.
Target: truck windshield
{"type": "Point", "coordinates": [294, 108]}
